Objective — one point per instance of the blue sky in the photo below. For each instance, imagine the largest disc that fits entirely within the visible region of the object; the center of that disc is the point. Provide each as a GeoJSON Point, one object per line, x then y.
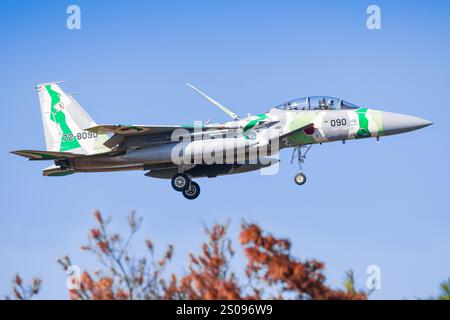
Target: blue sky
{"type": "Point", "coordinates": [364, 203]}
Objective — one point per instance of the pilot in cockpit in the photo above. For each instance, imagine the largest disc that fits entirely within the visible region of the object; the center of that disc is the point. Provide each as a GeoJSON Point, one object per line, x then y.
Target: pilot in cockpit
{"type": "Point", "coordinates": [331, 104]}
{"type": "Point", "coordinates": [322, 104]}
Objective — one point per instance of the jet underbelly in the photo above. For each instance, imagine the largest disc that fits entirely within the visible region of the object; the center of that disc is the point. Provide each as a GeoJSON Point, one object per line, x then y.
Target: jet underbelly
{"type": "Point", "coordinates": [103, 162]}
{"type": "Point", "coordinates": [198, 151]}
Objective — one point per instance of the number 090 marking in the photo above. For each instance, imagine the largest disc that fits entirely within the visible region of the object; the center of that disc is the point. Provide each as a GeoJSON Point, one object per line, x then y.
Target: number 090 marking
{"type": "Point", "coordinates": [338, 122]}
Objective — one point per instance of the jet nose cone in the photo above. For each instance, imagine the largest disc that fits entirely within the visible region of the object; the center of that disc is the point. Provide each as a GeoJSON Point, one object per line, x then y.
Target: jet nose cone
{"type": "Point", "coordinates": [394, 123]}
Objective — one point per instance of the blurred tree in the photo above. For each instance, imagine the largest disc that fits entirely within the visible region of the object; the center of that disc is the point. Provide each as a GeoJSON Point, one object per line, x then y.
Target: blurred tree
{"type": "Point", "coordinates": [122, 276]}
{"type": "Point", "coordinates": [271, 271]}
{"type": "Point", "coordinates": [445, 290]}
{"type": "Point", "coordinates": [22, 291]}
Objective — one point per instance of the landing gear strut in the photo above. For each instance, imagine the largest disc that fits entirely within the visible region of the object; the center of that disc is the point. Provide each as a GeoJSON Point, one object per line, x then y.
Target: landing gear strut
{"type": "Point", "coordinates": [182, 183]}
{"type": "Point", "coordinates": [300, 178]}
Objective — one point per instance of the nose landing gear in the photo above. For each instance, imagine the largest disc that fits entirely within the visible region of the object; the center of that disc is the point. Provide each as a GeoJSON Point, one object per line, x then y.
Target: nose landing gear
{"type": "Point", "coordinates": [182, 183]}
{"type": "Point", "coordinates": [300, 178]}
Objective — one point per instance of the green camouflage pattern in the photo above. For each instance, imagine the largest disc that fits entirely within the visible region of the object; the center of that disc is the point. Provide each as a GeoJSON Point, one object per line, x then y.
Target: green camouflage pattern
{"type": "Point", "coordinates": [328, 125]}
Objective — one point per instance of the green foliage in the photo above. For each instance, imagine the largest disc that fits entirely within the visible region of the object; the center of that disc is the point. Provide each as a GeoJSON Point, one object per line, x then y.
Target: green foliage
{"type": "Point", "coordinates": [445, 290]}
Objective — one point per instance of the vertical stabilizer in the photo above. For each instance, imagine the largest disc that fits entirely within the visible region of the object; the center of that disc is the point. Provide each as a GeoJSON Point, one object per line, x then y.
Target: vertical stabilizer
{"type": "Point", "coordinates": [64, 122]}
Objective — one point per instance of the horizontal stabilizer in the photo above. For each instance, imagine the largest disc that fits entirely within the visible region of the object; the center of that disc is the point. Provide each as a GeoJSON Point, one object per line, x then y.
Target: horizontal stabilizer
{"type": "Point", "coordinates": [45, 155]}
{"type": "Point", "coordinates": [56, 171]}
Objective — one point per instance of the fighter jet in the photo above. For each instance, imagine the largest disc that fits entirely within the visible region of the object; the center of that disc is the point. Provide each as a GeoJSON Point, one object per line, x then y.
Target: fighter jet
{"type": "Point", "coordinates": [76, 143]}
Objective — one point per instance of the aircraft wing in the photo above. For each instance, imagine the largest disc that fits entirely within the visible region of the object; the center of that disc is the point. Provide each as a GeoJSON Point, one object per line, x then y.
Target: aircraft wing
{"type": "Point", "coordinates": [148, 132]}
{"type": "Point", "coordinates": [131, 130]}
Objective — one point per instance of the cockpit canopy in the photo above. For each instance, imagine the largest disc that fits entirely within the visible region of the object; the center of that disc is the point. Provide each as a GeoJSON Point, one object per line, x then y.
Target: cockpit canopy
{"type": "Point", "coordinates": [317, 103]}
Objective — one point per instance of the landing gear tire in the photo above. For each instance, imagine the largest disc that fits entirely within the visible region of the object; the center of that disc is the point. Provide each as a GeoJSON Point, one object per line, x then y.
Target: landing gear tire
{"type": "Point", "coordinates": [180, 181]}
{"type": "Point", "coordinates": [192, 191]}
{"type": "Point", "coordinates": [300, 179]}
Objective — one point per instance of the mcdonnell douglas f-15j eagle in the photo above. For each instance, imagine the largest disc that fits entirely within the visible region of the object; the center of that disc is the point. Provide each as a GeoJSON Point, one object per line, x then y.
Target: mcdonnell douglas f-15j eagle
{"type": "Point", "coordinates": [76, 143]}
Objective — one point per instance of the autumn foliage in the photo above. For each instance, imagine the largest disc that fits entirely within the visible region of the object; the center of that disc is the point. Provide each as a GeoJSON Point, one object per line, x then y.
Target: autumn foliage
{"type": "Point", "coordinates": [271, 272]}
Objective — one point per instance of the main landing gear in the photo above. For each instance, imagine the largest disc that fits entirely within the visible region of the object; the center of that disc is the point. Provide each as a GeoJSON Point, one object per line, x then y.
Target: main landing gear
{"type": "Point", "coordinates": [182, 183]}
{"type": "Point", "coordinates": [300, 178]}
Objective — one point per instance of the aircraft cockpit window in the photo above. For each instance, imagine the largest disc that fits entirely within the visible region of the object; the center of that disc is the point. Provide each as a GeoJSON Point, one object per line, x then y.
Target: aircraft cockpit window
{"type": "Point", "coordinates": [297, 104]}
{"type": "Point", "coordinates": [347, 105]}
{"type": "Point", "coordinates": [323, 103]}
{"type": "Point", "coordinates": [317, 103]}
